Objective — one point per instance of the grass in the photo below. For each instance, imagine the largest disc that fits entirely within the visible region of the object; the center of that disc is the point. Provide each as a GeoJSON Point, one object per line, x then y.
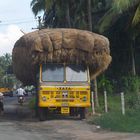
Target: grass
{"type": "Point", "coordinates": [114, 104]}
{"type": "Point", "coordinates": [114, 120]}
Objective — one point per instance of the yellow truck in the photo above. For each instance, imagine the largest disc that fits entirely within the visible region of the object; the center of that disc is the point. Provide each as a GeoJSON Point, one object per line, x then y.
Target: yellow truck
{"type": "Point", "coordinates": [63, 88]}
{"type": "Point", "coordinates": [57, 62]}
{"type": "Point", "coordinates": [6, 91]}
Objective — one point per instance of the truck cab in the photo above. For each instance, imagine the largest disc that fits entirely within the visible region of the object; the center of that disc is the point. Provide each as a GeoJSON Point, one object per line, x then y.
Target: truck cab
{"type": "Point", "coordinates": [63, 88]}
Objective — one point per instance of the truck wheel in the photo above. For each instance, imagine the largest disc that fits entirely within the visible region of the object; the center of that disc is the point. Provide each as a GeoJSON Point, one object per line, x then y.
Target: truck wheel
{"type": "Point", "coordinates": [42, 114]}
{"type": "Point", "coordinates": [72, 111]}
{"type": "Point", "coordinates": [82, 113]}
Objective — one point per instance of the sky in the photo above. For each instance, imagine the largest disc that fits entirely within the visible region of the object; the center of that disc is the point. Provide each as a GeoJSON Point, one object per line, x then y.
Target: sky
{"type": "Point", "coordinates": [15, 16]}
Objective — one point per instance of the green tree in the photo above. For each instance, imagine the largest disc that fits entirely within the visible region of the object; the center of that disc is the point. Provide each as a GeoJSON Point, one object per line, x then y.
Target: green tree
{"type": "Point", "coordinates": [125, 16]}
{"type": "Point", "coordinates": [70, 13]}
{"type": "Point", "coordinates": [6, 80]}
{"type": "Point", "coordinates": [38, 6]}
{"type": "Point", "coordinates": [62, 7]}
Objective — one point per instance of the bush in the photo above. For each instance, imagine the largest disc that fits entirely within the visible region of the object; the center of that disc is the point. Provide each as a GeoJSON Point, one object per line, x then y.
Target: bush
{"type": "Point", "coordinates": [130, 84]}
{"type": "Point", "coordinates": [105, 84]}
{"type": "Point", "coordinates": [32, 103]}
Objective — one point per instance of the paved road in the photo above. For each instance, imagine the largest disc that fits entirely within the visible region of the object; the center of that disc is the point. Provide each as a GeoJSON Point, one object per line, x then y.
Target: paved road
{"type": "Point", "coordinates": [18, 123]}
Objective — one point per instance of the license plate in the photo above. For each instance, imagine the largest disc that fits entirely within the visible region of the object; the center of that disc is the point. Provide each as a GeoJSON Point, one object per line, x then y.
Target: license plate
{"type": "Point", "coordinates": [65, 110]}
{"type": "Point", "coordinates": [64, 104]}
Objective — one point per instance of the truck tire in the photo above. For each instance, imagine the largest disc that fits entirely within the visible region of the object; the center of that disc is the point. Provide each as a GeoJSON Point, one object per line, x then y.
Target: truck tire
{"type": "Point", "coordinates": [82, 113]}
{"type": "Point", "coordinates": [42, 114]}
{"type": "Point", "coordinates": [72, 111]}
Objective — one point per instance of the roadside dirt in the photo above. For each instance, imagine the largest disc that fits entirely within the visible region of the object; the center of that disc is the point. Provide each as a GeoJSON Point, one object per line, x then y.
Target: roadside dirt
{"type": "Point", "coordinates": [22, 120]}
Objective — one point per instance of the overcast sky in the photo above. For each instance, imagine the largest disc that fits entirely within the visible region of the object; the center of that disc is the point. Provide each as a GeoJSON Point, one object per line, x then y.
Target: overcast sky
{"type": "Point", "coordinates": [15, 15]}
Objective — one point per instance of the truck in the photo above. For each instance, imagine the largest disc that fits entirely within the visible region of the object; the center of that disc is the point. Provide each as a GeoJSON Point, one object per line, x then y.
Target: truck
{"type": "Point", "coordinates": [63, 88]}
{"type": "Point", "coordinates": [60, 63]}
{"type": "Point", "coordinates": [6, 91]}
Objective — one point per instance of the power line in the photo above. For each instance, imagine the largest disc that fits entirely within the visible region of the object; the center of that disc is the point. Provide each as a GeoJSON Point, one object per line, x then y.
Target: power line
{"type": "Point", "coordinates": [13, 20]}
{"type": "Point", "coordinates": [18, 22]}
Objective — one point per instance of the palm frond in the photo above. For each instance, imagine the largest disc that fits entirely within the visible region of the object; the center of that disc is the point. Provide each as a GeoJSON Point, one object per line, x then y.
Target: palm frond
{"type": "Point", "coordinates": [107, 20]}
{"type": "Point", "coordinates": [121, 5]}
{"type": "Point", "coordinates": [33, 2]}
{"type": "Point", "coordinates": [136, 18]}
{"type": "Point", "coordinates": [48, 4]}
{"type": "Point", "coordinates": [37, 6]}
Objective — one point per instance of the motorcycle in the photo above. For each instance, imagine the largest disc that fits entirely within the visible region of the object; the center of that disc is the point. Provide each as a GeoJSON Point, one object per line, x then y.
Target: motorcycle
{"type": "Point", "coordinates": [21, 100]}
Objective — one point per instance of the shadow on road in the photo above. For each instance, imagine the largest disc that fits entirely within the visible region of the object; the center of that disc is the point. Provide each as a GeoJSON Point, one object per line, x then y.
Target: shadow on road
{"type": "Point", "coordinates": [18, 113]}
{"type": "Point", "coordinates": [24, 114]}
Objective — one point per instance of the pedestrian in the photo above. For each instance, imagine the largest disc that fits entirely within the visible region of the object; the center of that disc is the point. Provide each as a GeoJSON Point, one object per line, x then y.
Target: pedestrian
{"type": "Point", "coordinates": [1, 104]}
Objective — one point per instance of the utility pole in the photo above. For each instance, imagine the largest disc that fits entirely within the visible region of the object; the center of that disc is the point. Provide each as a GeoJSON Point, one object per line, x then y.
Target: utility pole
{"type": "Point", "coordinates": [39, 23]}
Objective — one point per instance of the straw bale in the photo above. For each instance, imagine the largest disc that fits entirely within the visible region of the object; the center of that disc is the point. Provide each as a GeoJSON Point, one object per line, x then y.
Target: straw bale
{"type": "Point", "coordinates": [58, 46]}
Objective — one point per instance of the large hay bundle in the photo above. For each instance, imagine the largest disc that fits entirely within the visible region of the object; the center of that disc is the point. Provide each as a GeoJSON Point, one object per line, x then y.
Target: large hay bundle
{"type": "Point", "coordinates": [59, 45]}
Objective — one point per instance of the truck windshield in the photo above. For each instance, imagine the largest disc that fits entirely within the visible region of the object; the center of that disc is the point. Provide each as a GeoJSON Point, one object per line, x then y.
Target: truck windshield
{"type": "Point", "coordinates": [53, 72]}
{"type": "Point", "coordinates": [76, 73]}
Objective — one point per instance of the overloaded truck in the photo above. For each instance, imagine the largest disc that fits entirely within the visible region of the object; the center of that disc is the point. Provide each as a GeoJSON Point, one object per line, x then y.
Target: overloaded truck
{"type": "Point", "coordinates": [61, 63]}
{"type": "Point", "coordinates": [65, 88]}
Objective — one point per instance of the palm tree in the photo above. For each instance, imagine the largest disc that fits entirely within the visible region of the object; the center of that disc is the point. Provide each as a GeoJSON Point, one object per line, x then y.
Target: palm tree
{"type": "Point", "coordinates": [68, 13]}
{"type": "Point", "coordinates": [117, 11]}
{"type": "Point", "coordinates": [134, 19]}
{"type": "Point", "coordinates": [5, 64]}
{"type": "Point", "coordinates": [63, 9]}
{"type": "Point", "coordinates": [89, 15]}
{"type": "Point", "coordinates": [39, 5]}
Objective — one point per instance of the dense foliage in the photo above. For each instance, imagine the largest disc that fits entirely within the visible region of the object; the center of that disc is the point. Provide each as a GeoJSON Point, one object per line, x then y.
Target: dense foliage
{"type": "Point", "coordinates": [7, 79]}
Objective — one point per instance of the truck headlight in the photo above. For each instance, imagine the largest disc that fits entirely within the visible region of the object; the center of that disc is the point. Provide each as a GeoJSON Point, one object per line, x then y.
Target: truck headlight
{"type": "Point", "coordinates": [44, 98]}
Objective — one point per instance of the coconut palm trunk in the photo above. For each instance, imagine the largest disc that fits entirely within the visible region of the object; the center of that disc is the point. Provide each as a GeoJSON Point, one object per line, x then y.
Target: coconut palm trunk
{"type": "Point", "coordinates": [89, 15]}
{"type": "Point", "coordinates": [133, 58]}
{"type": "Point", "coordinates": [90, 23]}
{"type": "Point", "coordinates": [68, 15]}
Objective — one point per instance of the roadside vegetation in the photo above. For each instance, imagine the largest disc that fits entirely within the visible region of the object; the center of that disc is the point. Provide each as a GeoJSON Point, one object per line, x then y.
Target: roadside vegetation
{"type": "Point", "coordinates": [32, 103]}
{"type": "Point", "coordinates": [114, 120]}
{"type": "Point", "coordinates": [7, 78]}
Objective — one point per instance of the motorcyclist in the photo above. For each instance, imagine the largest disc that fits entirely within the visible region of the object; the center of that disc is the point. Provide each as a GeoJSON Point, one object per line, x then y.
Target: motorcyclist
{"type": "Point", "coordinates": [21, 93]}
{"type": "Point", "coordinates": [1, 103]}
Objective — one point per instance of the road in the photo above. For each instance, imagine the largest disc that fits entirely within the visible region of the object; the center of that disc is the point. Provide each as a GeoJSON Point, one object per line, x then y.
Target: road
{"type": "Point", "coordinates": [18, 123]}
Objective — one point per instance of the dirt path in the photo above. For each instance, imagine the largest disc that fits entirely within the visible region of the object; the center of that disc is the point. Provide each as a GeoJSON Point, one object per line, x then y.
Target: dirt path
{"type": "Point", "coordinates": [58, 130]}
{"type": "Point", "coordinates": [19, 123]}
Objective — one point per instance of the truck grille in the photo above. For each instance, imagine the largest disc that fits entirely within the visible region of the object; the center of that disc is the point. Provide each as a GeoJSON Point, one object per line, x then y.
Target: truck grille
{"type": "Point", "coordinates": [59, 95]}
